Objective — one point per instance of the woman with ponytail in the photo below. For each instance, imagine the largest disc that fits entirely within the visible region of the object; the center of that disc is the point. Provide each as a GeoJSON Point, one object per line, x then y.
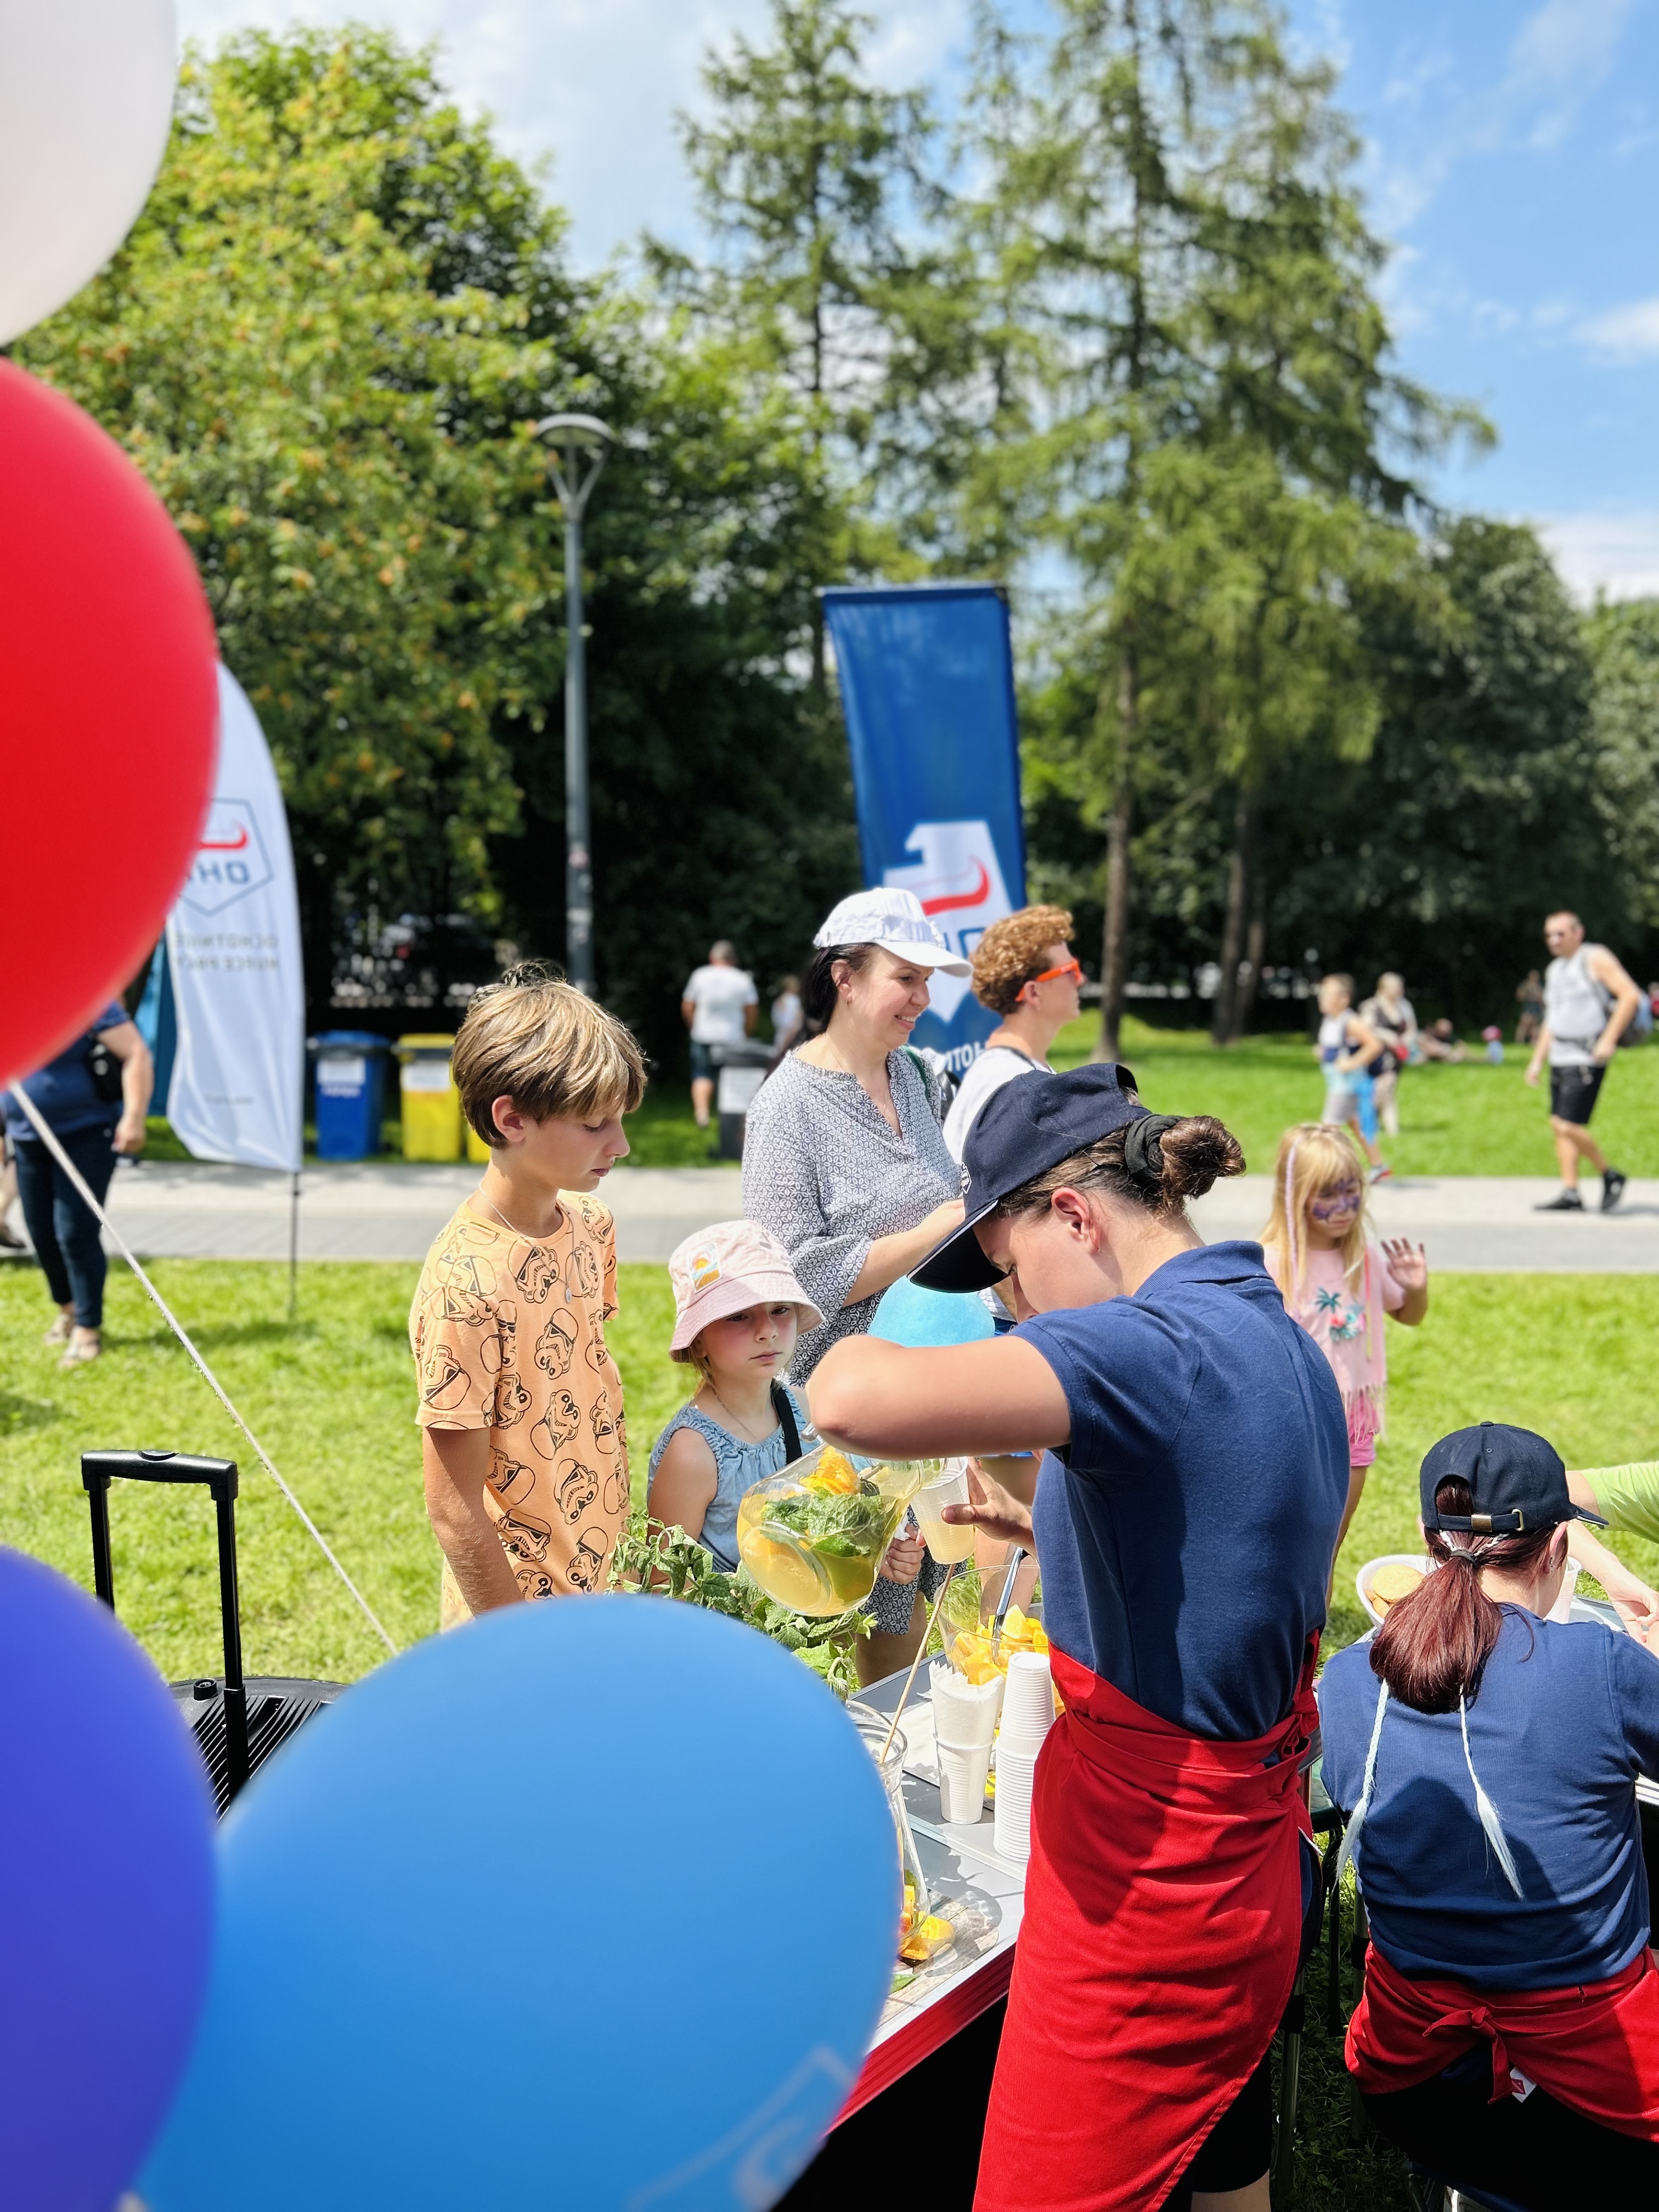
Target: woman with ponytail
{"type": "Point", "coordinates": [1508, 2038]}
{"type": "Point", "coordinates": [1184, 1522]}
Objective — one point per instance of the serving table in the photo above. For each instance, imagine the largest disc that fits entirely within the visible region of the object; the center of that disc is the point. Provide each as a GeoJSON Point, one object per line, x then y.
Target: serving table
{"type": "Point", "coordinates": [919, 2100]}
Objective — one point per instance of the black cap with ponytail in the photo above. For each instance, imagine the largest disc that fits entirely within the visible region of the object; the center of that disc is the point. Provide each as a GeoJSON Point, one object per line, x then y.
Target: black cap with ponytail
{"type": "Point", "coordinates": [1433, 1646]}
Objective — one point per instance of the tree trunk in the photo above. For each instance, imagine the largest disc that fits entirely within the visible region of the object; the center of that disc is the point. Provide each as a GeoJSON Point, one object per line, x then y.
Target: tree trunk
{"type": "Point", "coordinates": [1254, 946]}
{"type": "Point", "coordinates": [1114, 937]}
{"type": "Point", "coordinates": [1231, 997]}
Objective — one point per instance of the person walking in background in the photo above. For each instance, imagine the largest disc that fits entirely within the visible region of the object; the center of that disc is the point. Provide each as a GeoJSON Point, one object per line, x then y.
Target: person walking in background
{"type": "Point", "coordinates": [1588, 1004]}
{"type": "Point", "coordinates": [786, 1016]}
{"type": "Point", "coordinates": [1347, 1050]}
{"type": "Point", "coordinates": [1389, 1015]}
{"type": "Point", "coordinates": [93, 1098]}
{"type": "Point", "coordinates": [1338, 1280]}
{"type": "Point", "coordinates": [718, 1006]}
{"type": "Point", "coordinates": [1023, 970]}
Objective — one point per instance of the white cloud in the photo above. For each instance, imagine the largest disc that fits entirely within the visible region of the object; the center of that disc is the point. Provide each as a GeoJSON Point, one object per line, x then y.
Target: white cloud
{"type": "Point", "coordinates": [1616, 554]}
{"type": "Point", "coordinates": [1562, 51]}
{"type": "Point", "coordinates": [1626, 333]}
{"type": "Point", "coordinates": [593, 84]}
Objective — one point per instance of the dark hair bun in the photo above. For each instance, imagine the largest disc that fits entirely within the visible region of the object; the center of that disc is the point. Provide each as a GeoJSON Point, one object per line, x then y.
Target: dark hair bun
{"type": "Point", "coordinates": [1198, 1152]}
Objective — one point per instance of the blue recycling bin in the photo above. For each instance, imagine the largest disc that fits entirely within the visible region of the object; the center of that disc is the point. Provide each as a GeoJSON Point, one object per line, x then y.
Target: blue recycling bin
{"type": "Point", "coordinates": [350, 1086]}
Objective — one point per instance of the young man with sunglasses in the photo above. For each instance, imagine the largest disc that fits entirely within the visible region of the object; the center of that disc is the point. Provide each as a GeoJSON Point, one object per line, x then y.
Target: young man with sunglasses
{"type": "Point", "coordinates": [1023, 970]}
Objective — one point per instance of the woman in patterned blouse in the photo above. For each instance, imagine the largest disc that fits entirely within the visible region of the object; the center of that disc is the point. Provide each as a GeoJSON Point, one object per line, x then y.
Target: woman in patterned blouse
{"type": "Point", "coordinates": [845, 1161]}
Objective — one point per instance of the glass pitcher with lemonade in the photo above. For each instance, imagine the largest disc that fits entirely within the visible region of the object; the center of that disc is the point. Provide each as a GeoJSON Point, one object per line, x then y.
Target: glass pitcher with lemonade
{"type": "Point", "coordinates": [814, 1536]}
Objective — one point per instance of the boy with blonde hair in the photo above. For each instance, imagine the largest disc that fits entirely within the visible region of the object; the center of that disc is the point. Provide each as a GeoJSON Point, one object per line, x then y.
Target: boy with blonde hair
{"type": "Point", "coordinates": [524, 1448]}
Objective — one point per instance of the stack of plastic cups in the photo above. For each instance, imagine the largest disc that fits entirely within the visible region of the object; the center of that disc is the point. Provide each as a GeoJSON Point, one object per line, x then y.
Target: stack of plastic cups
{"type": "Point", "coordinates": [1027, 1713]}
{"type": "Point", "coordinates": [964, 1728]}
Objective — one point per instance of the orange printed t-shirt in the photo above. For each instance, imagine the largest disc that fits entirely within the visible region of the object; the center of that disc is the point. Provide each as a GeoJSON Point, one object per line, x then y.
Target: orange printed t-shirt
{"type": "Point", "coordinates": [509, 1335]}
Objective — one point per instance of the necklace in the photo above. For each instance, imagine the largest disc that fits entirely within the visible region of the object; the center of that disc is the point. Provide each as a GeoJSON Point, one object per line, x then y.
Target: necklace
{"type": "Point", "coordinates": [507, 1225]}
{"type": "Point", "coordinates": [731, 1416]}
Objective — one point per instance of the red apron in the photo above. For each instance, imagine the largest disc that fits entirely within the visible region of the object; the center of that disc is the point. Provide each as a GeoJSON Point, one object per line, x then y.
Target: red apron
{"type": "Point", "coordinates": [1163, 1923]}
{"type": "Point", "coordinates": [1594, 2045]}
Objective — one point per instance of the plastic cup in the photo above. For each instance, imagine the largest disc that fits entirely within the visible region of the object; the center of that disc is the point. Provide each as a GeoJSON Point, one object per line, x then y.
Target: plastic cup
{"type": "Point", "coordinates": [964, 1712]}
{"type": "Point", "coordinates": [1012, 1832]}
{"type": "Point", "coordinates": [962, 1768]}
{"type": "Point", "coordinates": [1028, 1703]}
{"type": "Point", "coordinates": [945, 1540]}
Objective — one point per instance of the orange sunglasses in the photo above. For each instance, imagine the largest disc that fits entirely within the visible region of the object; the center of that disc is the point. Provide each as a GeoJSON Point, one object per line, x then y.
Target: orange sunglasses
{"type": "Point", "coordinates": [1072, 968]}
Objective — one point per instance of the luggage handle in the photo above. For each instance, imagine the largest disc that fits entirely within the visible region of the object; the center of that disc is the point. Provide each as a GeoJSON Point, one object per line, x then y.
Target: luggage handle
{"type": "Point", "coordinates": [219, 1476]}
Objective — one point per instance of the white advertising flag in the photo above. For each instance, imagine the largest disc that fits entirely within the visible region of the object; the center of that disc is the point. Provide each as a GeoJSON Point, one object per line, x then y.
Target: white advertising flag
{"type": "Point", "coordinates": [238, 1085]}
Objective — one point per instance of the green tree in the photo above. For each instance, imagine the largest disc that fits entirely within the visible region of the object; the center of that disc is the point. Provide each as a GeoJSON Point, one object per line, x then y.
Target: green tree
{"type": "Point", "coordinates": [1477, 808]}
{"type": "Point", "coordinates": [327, 341]}
{"type": "Point", "coordinates": [1623, 641]}
{"type": "Point", "coordinates": [805, 173]}
{"type": "Point", "coordinates": [1206, 398]}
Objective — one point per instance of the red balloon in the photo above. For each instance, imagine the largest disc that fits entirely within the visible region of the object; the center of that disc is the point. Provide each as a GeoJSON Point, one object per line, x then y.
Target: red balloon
{"type": "Point", "coordinates": [108, 717]}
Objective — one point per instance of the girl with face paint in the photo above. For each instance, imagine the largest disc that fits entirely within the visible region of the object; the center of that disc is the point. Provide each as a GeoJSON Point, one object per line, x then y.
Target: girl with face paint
{"type": "Point", "coordinates": [1338, 1279]}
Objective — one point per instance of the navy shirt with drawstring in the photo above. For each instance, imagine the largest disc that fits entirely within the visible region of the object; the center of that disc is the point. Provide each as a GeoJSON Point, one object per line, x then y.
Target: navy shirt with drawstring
{"type": "Point", "coordinates": [1185, 1532]}
{"type": "Point", "coordinates": [1565, 1717]}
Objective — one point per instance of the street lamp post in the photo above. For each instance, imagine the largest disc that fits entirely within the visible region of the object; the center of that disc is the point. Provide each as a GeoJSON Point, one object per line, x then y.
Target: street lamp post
{"type": "Point", "coordinates": [581, 445]}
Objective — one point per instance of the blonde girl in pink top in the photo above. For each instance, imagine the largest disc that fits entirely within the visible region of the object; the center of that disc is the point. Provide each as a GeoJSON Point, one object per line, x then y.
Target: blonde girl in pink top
{"type": "Point", "coordinates": [1338, 1279]}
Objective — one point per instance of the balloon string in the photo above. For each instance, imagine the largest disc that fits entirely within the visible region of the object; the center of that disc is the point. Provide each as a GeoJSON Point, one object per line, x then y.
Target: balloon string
{"type": "Point", "coordinates": [49, 1139]}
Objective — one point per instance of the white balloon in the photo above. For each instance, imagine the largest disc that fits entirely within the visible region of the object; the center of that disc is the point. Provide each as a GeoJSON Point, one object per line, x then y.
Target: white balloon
{"type": "Point", "coordinates": [85, 99]}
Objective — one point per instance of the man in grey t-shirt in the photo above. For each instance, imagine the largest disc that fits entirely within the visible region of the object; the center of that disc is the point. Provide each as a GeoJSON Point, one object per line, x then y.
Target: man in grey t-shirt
{"type": "Point", "coordinates": [718, 1006]}
{"type": "Point", "coordinates": [1588, 1003]}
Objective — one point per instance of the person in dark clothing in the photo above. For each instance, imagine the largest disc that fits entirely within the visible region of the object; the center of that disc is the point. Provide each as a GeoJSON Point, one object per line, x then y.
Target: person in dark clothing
{"type": "Point", "coordinates": [93, 1098]}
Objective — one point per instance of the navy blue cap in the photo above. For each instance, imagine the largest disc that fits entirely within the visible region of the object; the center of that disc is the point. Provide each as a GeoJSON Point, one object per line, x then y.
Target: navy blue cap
{"type": "Point", "coordinates": [1516, 1479]}
{"type": "Point", "coordinates": [1027, 1126]}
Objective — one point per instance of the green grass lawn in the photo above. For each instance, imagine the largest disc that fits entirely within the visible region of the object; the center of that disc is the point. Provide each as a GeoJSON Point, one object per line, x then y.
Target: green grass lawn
{"type": "Point", "coordinates": [330, 1398]}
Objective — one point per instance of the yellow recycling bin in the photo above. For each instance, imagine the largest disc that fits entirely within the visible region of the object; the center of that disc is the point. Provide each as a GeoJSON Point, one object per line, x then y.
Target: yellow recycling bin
{"type": "Point", "coordinates": [431, 1103]}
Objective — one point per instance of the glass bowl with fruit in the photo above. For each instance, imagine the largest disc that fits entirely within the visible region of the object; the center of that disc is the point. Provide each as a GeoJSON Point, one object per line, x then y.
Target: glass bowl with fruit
{"type": "Point", "coordinates": [813, 1535]}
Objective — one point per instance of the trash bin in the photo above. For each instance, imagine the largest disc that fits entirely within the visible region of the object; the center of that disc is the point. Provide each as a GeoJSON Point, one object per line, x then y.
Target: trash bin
{"type": "Point", "coordinates": [432, 1105]}
{"type": "Point", "coordinates": [739, 1070]}
{"type": "Point", "coordinates": [350, 1093]}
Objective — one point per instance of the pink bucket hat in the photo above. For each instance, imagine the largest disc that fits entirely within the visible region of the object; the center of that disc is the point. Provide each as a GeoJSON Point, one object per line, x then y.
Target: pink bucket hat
{"type": "Point", "coordinates": [725, 1269]}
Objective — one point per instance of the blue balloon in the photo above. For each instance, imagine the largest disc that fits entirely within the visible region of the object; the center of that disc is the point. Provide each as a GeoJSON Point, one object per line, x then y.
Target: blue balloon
{"type": "Point", "coordinates": [106, 1895]}
{"type": "Point", "coordinates": [925, 1319]}
{"type": "Point", "coordinates": [591, 1903]}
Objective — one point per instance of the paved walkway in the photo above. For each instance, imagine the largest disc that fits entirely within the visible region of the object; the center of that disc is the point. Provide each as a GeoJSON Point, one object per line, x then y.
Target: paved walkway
{"type": "Point", "coordinates": [392, 1210]}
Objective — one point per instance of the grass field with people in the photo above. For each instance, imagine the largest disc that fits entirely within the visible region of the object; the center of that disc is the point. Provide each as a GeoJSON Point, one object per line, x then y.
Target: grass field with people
{"type": "Point", "coordinates": [1462, 1119]}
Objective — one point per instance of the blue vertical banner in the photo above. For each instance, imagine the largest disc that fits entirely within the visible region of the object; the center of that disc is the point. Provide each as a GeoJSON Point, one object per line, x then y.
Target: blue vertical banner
{"type": "Point", "coordinates": [927, 675]}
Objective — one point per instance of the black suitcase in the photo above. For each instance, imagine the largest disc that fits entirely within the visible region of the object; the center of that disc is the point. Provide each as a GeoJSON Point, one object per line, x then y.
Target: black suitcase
{"type": "Point", "coordinates": [237, 1725]}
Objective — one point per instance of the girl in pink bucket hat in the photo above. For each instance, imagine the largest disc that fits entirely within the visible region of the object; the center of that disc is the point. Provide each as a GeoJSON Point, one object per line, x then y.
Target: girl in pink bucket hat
{"type": "Point", "coordinates": [738, 1310]}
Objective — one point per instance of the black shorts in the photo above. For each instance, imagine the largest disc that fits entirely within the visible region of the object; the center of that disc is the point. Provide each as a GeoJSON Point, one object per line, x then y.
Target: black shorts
{"type": "Point", "coordinates": [702, 1062]}
{"type": "Point", "coordinates": [1573, 1093]}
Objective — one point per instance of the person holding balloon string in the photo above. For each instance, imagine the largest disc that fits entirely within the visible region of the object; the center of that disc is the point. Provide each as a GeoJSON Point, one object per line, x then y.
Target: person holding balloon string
{"type": "Point", "coordinates": [1188, 1507]}
{"type": "Point", "coordinates": [94, 1097]}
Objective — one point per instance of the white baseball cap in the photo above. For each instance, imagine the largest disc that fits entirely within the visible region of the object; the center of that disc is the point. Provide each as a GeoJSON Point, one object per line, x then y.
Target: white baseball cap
{"type": "Point", "coordinates": [894, 920]}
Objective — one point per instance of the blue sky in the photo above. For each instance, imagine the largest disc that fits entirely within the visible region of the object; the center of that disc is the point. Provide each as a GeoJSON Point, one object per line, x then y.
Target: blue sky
{"type": "Point", "coordinates": [1511, 159]}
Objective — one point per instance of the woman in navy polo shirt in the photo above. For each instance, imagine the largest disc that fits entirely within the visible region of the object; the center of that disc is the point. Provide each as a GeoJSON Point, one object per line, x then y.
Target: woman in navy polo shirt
{"type": "Point", "coordinates": [1185, 1520]}
{"type": "Point", "coordinates": [1509, 2034]}
{"type": "Point", "coordinates": [91, 1127]}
